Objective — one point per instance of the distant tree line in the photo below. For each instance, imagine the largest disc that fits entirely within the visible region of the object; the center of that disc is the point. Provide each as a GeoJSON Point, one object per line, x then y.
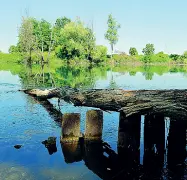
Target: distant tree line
{"type": "Point", "coordinates": [149, 55]}
{"type": "Point", "coordinates": [68, 39]}
{"type": "Point", "coordinates": [72, 40]}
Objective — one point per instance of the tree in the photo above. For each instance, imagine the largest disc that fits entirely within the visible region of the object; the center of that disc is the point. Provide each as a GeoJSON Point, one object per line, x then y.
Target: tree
{"type": "Point", "coordinates": [42, 31]}
{"type": "Point", "coordinates": [185, 54]}
{"type": "Point", "coordinates": [90, 44]}
{"type": "Point", "coordinates": [149, 49]}
{"type": "Point", "coordinates": [13, 49]}
{"type": "Point", "coordinates": [59, 25]}
{"type": "Point", "coordinates": [61, 22]}
{"type": "Point", "coordinates": [133, 51]}
{"type": "Point", "coordinates": [74, 43]}
{"type": "Point", "coordinates": [100, 53]}
{"type": "Point", "coordinates": [174, 57]}
{"type": "Point", "coordinates": [112, 32]}
{"type": "Point", "coordinates": [27, 39]}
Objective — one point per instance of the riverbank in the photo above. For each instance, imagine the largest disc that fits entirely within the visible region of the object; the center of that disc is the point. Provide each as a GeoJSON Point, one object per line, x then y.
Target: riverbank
{"type": "Point", "coordinates": [120, 59]}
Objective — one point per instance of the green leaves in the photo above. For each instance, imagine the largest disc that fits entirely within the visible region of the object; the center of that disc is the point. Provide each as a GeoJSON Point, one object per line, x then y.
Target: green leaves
{"type": "Point", "coordinates": [112, 32]}
{"type": "Point", "coordinates": [99, 54]}
{"type": "Point", "coordinates": [70, 40]}
{"type": "Point", "coordinates": [133, 51]}
{"type": "Point", "coordinates": [76, 41]}
{"type": "Point", "coordinates": [27, 40]}
{"type": "Point", "coordinates": [42, 32]}
{"type": "Point", "coordinates": [149, 49]}
{"type": "Point", "coordinates": [13, 49]}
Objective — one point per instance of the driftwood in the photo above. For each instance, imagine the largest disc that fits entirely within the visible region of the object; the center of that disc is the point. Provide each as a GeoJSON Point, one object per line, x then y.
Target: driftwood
{"type": "Point", "coordinates": [171, 103]}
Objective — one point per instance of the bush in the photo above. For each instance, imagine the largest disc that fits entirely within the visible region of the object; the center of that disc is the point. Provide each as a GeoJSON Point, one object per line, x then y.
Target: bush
{"type": "Point", "coordinates": [133, 51]}
{"type": "Point", "coordinates": [174, 57]}
{"type": "Point", "coordinates": [160, 57]}
{"type": "Point", "coordinates": [100, 54]}
{"type": "Point", "coordinates": [156, 58]}
{"type": "Point", "coordinates": [146, 59]}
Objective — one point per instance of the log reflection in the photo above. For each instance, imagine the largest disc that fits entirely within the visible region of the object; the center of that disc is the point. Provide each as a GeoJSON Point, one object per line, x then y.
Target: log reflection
{"type": "Point", "coordinates": [159, 161]}
{"type": "Point", "coordinates": [107, 164]}
{"type": "Point", "coordinates": [177, 148]}
{"type": "Point", "coordinates": [129, 138]}
{"type": "Point", "coordinates": [154, 145]}
{"type": "Point", "coordinates": [72, 151]}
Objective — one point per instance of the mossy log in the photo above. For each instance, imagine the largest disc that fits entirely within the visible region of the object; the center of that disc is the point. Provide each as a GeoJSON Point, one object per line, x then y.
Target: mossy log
{"type": "Point", "coordinates": [172, 103]}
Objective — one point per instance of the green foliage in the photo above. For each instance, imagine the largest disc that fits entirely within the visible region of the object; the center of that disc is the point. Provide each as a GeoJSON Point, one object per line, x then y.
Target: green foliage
{"type": "Point", "coordinates": [185, 54]}
{"type": "Point", "coordinates": [148, 73]}
{"type": "Point", "coordinates": [42, 32]}
{"type": "Point", "coordinates": [124, 58]}
{"type": "Point", "coordinates": [91, 48]}
{"type": "Point", "coordinates": [156, 58]}
{"type": "Point", "coordinates": [10, 58]}
{"type": "Point", "coordinates": [147, 59]}
{"type": "Point", "coordinates": [160, 57]}
{"type": "Point", "coordinates": [112, 32]}
{"type": "Point", "coordinates": [174, 57]}
{"type": "Point", "coordinates": [27, 40]}
{"type": "Point", "coordinates": [13, 49]}
{"type": "Point", "coordinates": [76, 41]}
{"type": "Point", "coordinates": [59, 25]}
{"type": "Point", "coordinates": [61, 22]}
{"type": "Point", "coordinates": [133, 51]}
{"type": "Point", "coordinates": [179, 59]}
{"type": "Point", "coordinates": [100, 53]}
{"type": "Point", "coordinates": [73, 41]}
{"type": "Point", "coordinates": [149, 50]}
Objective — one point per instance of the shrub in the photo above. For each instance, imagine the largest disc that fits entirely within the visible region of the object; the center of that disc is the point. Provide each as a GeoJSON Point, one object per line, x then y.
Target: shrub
{"type": "Point", "coordinates": [133, 51]}
{"type": "Point", "coordinates": [100, 53]}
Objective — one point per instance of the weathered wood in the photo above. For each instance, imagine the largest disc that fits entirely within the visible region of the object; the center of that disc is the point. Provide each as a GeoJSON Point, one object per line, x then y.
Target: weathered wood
{"type": "Point", "coordinates": [42, 94]}
{"type": "Point", "coordinates": [70, 127]}
{"type": "Point", "coordinates": [168, 102]}
{"type": "Point", "coordinates": [94, 125]}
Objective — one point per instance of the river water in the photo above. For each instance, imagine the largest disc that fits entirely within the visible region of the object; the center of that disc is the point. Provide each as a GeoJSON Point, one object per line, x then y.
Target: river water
{"type": "Point", "coordinates": [24, 121]}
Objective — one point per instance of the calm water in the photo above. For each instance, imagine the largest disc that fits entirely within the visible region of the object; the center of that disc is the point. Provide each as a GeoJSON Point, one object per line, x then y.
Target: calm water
{"type": "Point", "coordinates": [26, 122]}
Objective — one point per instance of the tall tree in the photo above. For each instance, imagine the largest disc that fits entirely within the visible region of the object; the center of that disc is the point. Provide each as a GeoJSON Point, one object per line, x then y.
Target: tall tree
{"type": "Point", "coordinates": [42, 31]}
{"type": "Point", "coordinates": [27, 39]}
{"type": "Point", "coordinates": [90, 44]}
{"type": "Point", "coordinates": [149, 49]}
{"type": "Point", "coordinates": [112, 32]}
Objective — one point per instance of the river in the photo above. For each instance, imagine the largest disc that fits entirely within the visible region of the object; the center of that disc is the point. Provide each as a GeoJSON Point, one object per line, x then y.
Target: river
{"type": "Point", "coordinates": [24, 121]}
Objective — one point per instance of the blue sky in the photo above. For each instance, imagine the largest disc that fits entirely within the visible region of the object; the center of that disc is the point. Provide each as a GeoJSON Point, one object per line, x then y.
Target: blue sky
{"type": "Point", "coordinates": [161, 22]}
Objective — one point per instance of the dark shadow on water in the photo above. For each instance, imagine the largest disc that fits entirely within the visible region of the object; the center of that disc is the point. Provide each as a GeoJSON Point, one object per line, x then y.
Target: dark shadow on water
{"type": "Point", "coordinates": [163, 154]}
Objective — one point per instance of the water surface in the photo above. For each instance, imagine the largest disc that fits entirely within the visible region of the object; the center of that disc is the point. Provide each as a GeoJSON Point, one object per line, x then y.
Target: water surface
{"type": "Point", "coordinates": [26, 122]}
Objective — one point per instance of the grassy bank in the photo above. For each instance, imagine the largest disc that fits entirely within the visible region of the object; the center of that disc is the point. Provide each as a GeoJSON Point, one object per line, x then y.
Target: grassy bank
{"type": "Point", "coordinates": [121, 59]}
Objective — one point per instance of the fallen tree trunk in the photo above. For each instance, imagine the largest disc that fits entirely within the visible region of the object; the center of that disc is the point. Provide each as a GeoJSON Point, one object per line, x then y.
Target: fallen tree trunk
{"type": "Point", "coordinates": [167, 102]}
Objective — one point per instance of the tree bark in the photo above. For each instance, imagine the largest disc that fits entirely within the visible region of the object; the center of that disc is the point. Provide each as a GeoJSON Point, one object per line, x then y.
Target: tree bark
{"type": "Point", "coordinates": [171, 103]}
